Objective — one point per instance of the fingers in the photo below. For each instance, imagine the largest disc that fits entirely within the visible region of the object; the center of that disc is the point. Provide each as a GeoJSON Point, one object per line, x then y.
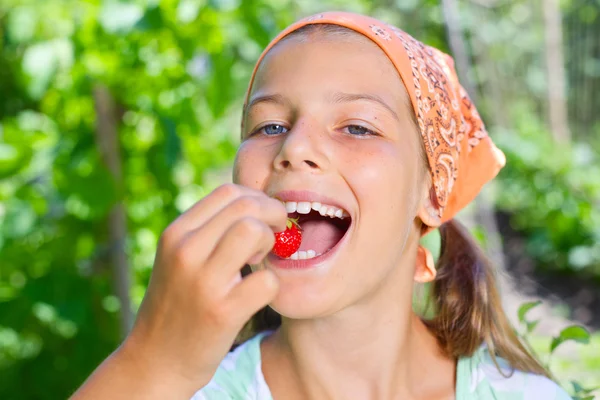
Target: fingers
{"type": "Point", "coordinates": [255, 291]}
{"type": "Point", "coordinates": [205, 209]}
{"type": "Point", "coordinates": [270, 212]}
{"type": "Point", "coordinates": [248, 238]}
{"type": "Point", "coordinates": [215, 238]}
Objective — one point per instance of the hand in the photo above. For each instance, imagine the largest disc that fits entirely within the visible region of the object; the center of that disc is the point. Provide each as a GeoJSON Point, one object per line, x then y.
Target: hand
{"type": "Point", "coordinates": [197, 302]}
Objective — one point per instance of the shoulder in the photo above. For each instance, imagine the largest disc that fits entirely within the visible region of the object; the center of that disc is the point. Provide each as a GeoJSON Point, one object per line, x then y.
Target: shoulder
{"type": "Point", "coordinates": [239, 376]}
{"type": "Point", "coordinates": [479, 378]}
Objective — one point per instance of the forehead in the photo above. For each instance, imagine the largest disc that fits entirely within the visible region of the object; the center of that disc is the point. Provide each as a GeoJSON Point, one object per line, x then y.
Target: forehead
{"type": "Point", "coordinates": [318, 62]}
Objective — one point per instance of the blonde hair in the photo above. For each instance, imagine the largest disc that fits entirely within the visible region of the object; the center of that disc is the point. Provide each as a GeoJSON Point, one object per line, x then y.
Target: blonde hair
{"type": "Point", "coordinates": [468, 310]}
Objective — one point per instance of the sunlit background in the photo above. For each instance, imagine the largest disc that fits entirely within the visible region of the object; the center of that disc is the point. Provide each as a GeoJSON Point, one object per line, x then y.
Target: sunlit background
{"type": "Point", "coordinates": [117, 116]}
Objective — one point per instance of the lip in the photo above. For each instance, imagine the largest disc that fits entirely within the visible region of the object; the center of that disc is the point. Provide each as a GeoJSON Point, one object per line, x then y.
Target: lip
{"type": "Point", "coordinates": [306, 195]}
{"type": "Point", "coordinates": [316, 262]}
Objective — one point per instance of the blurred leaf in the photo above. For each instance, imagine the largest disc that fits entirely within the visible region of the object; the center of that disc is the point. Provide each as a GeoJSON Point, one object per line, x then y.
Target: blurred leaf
{"type": "Point", "coordinates": [530, 326]}
{"type": "Point", "coordinates": [576, 333]}
{"type": "Point", "coordinates": [173, 143]}
{"type": "Point", "coordinates": [120, 18]}
{"type": "Point", "coordinates": [581, 391]}
{"type": "Point", "coordinates": [12, 158]}
{"type": "Point", "coordinates": [42, 60]}
{"type": "Point", "coordinates": [187, 10]}
{"type": "Point", "coordinates": [7, 292]}
{"type": "Point", "coordinates": [19, 220]}
{"type": "Point", "coordinates": [89, 195]}
{"type": "Point", "coordinates": [151, 20]}
{"type": "Point", "coordinates": [21, 24]}
{"type": "Point", "coordinates": [576, 387]}
{"type": "Point", "coordinates": [525, 308]}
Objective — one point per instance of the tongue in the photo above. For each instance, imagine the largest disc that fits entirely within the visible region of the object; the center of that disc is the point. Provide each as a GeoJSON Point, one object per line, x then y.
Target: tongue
{"type": "Point", "coordinates": [319, 235]}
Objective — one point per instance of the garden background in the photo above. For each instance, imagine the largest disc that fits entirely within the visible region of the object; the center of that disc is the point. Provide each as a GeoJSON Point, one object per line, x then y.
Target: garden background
{"type": "Point", "coordinates": [117, 116]}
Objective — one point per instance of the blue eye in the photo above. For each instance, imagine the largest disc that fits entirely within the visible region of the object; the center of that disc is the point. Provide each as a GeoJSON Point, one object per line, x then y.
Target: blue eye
{"type": "Point", "coordinates": [273, 129]}
{"type": "Point", "coordinates": [359, 130]}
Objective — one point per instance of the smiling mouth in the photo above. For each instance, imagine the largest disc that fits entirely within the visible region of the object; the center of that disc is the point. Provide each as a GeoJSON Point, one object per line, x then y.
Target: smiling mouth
{"type": "Point", "coordinates": [323, 226]}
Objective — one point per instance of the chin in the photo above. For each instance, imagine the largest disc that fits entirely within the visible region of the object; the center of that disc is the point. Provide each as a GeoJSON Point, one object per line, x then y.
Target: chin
{"type": "Point", "coordinates": [292, 308]}
{"type": "Point", "coordinates": [307, 296]}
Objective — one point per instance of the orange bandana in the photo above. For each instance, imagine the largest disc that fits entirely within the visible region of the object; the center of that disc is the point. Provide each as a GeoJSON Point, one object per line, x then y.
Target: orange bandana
{"type": "Point", "coordinates": [462, 157]}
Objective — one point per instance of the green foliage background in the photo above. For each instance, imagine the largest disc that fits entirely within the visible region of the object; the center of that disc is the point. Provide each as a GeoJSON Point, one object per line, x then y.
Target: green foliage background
{"type": "Point", "coordinates": [177, 70]}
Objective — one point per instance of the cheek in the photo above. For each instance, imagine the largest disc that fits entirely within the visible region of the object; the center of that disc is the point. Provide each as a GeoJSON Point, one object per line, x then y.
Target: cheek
{"type": "Point", "coordinates": [383, 175]}
{"type": "Point", "coordinates": [251, 165]}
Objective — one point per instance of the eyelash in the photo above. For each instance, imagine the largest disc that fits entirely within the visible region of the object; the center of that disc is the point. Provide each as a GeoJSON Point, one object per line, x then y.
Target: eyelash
{"type": "Point", "coordinates": [368, 132]}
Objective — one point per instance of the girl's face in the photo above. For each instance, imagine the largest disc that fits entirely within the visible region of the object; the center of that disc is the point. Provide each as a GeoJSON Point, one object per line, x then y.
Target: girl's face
{"type": "Point", "coordinates": [329, 121]}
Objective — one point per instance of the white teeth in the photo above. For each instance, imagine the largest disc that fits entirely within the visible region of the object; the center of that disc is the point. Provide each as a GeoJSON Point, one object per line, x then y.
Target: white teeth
{"type": "Point", "coordinates": [303, 255]}
{"type": "Point", "coordinates": [290, 206]}
{"type": "Point", "coordinates": [303, 207]}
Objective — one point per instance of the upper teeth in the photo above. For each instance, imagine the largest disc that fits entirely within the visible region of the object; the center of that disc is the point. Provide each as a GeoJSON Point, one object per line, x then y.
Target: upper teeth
{"type": "Point", "coordinates": [304, 207]}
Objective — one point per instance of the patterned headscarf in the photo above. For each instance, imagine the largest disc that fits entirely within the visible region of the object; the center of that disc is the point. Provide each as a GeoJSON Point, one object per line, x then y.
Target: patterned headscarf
{"type": "Point", "coordinates": [462, 157]}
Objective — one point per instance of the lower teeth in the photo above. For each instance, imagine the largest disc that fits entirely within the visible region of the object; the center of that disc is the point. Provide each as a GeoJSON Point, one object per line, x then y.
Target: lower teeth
{"type": "Point", "coordinates": [304, 255]}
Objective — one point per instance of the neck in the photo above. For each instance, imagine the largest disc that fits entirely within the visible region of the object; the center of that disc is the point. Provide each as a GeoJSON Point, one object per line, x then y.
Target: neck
{"type": "Point", "coordinates": [376, 349]}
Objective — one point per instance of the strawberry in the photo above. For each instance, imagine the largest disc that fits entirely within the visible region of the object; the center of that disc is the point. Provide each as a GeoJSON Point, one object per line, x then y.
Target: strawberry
{"type": "Point", "coordinates": [288, 241]}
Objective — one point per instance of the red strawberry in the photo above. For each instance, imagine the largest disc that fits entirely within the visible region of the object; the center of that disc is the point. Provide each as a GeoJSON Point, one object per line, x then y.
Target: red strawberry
{"type": "Point", "coordinates": [288, 241]}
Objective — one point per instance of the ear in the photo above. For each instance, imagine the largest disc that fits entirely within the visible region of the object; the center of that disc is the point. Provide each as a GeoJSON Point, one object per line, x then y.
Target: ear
{"type": "Point", "coordinates": [429, 212]}
{"type": "Point", "coordinates": [425, 269]}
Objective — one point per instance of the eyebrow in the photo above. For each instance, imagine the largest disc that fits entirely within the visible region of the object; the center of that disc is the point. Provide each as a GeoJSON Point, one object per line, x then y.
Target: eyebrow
{"type": "Point", "coordinates": [340, 97]}
{"type": "Point", "coordinates": [337, 97]}
{"type": "Point", "coordinates": [268, 98]}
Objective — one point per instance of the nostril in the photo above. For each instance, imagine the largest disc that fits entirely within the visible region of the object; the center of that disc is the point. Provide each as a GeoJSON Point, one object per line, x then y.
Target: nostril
{"type": "Point", "coordinates": [287, 164]}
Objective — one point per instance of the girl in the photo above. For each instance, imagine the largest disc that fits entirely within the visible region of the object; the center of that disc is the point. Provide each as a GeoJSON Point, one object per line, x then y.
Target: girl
{"type": "Point", "coordinates": [365, 135]}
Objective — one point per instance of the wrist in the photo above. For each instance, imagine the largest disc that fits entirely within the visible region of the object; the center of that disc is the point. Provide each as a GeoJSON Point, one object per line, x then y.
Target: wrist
{"type": "Point", "coordinates": [157, 374]}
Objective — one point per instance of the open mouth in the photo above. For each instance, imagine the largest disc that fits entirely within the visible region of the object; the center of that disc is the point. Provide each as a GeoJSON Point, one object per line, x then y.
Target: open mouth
{"type": "Point", "coordinates": [323, 226]}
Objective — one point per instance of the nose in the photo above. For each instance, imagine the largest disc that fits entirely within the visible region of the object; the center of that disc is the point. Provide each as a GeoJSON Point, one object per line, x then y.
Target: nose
{"type": "Point", "coordinates": [302, 149]}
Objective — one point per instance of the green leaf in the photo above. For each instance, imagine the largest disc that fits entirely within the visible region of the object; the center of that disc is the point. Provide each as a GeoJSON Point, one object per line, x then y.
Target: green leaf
{"type": "Point", "coordinates": [13, 158]}
{"type": "Point", "coordinates": [580, 391]}
{"type": "Point", "coordinates": [531, 325]}
{"type": "Point", "coordinates": [576, 387]}
{"type": "Point", "coordinates": [525, 308]}
{"type": "Point", "coordinates": [152, 20]}
{"type": "Point", "coordinates": [574, 332]}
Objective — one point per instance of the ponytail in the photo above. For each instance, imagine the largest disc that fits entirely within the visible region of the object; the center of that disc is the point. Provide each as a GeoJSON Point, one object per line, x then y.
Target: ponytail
{"type": "Point", "coordinates": [468, 308]}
